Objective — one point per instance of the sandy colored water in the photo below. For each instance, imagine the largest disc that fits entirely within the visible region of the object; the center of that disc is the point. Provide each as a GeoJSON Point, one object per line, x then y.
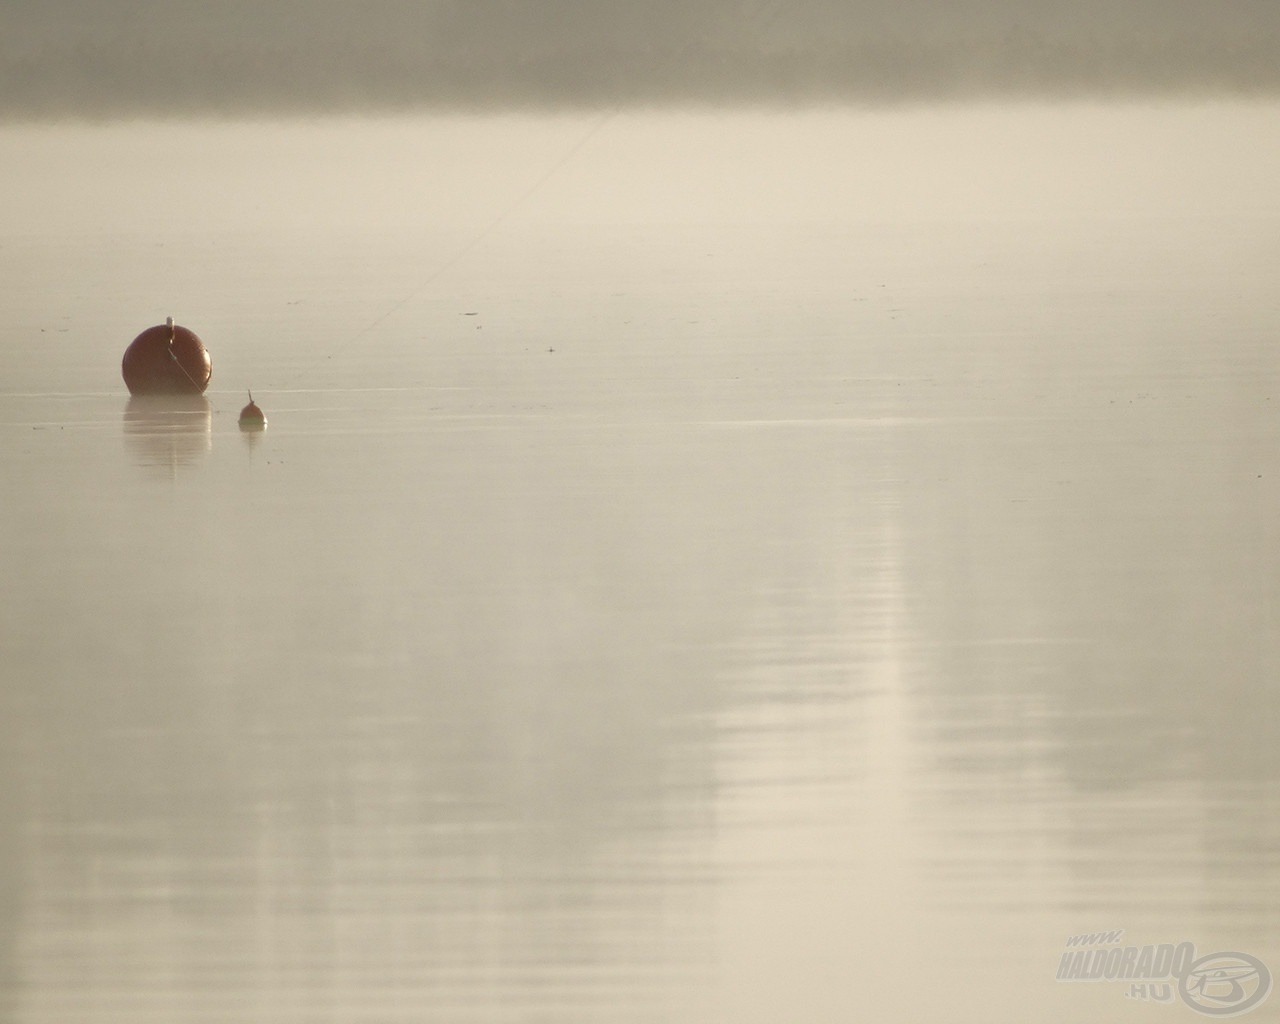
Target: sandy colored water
{"type": "Point", "coordinates": [818, 613]}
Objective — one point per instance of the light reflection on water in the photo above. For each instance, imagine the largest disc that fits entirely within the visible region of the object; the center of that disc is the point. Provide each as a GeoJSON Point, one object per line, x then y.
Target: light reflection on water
{"type": "Point", "coordinates": [757, 686]}
{"type": "Point", "coordinates": [168, 431]}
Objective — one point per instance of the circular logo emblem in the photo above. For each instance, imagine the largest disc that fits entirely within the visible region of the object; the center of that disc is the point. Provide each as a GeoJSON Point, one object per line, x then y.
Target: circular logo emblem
{"type": "Point", "coordinates": [1225, 984]}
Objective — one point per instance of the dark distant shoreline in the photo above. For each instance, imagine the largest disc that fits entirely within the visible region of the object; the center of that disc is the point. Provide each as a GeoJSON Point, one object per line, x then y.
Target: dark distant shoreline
{"type": "Point", "coordinates": [71, 58]}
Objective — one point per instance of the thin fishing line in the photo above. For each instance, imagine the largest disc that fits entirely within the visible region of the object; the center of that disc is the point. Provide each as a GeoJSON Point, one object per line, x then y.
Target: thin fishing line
{"type": "Point", "coordinates": [579, 144]}
{"type": "Point", "coordinates": [173, 336]}
{"type": "Point", "coordinates": [763, 13]}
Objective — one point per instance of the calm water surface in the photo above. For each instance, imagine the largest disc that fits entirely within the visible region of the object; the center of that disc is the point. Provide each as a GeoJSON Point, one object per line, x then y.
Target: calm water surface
{"type": "Point", "coordinates": [812, 619]}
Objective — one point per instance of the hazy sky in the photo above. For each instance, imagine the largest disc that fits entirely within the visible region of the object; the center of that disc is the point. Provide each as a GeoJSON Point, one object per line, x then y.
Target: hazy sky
{"type": "Point", "coordinates": [96, 58]}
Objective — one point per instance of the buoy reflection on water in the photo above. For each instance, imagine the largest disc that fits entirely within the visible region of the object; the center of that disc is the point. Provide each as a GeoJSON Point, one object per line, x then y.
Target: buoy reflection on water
{"type": "Point", "coordinates": [168, 430]}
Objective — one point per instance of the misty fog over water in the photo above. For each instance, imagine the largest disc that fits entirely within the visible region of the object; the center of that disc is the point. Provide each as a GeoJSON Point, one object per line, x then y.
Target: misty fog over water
{"type": "Point", "coordinates": [768, 511]}
{"type": "Point", "coordinates": [146, 57]}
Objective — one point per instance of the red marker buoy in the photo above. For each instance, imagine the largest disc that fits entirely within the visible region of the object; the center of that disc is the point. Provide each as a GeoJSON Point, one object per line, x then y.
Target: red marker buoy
{"type": "Point", "coordinates": [166, 360]}
{"type": "Point", "coordinates": [251, 417]}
